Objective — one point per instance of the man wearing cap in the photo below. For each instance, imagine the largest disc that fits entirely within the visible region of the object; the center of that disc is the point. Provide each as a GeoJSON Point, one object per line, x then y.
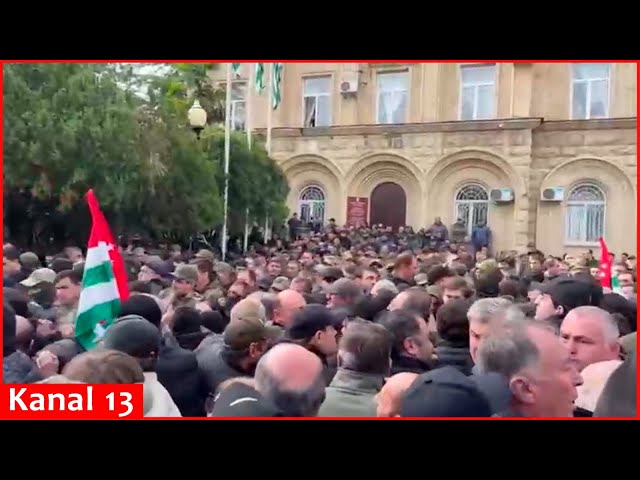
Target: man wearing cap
{"type": "Point", "coordinates": [156, 273]}
{"type": "Point", "coordinates": [139, 338]}
{"type": "Point", "coordinates": [41, 275]}
{"type": "Point", "coordinates": [563, 294]}
{"type": "Point", "coordinates": [182, 292]}
{"type": "Point", "coordinates": [244, 340]}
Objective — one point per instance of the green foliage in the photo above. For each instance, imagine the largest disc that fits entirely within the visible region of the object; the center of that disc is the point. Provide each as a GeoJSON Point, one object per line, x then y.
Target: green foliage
{"type": "Point", "coordinates": [123, 132]}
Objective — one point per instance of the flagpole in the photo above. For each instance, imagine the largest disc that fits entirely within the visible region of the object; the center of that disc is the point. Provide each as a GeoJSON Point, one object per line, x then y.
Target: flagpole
{"type": "Point", "coordinates": [227, 154]}
{"type": "Point", "coordinates": [249, 124]}
{"type": "Point", "coordinates": [268, 145]}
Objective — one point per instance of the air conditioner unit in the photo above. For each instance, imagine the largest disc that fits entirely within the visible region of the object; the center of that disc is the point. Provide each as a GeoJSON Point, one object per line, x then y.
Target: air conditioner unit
{"type": "Point", "coordinates": [349, 83]}
{"type": "Point", "coordinates": [553, 194]}
{"type": "Point", "coordinates": [501, 195]}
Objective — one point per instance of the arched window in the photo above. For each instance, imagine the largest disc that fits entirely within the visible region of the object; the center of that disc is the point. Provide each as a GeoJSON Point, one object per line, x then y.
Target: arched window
{"type": "Point", "coordinates": [311, 205]}
{"type": "Point", "coordinates": [584, 218]}
{"type": "Point", "coordinates": [472, 205]}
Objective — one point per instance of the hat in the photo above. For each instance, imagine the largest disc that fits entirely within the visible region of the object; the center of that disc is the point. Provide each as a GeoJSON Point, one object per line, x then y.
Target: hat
{"type": "Point", "coordinates": [280, 284]}
{"type": "Point", "coordinates": [309, 320]}
{"type": "Point", "coordinates": [421, 279]}
{"type": "Point", "coordinates": [205, 255]}
{"type": "Point", "coordinates": [30, 260]}
{"type": "Point", "coordinates": [264, 283]}
{"type": "Point", "coordinates": [159, 266]}
{"type": "Point", "coordinates": [222, 267]}
{"type": "Point", "coordinates": [447, 392]}
{"type": "Point", "coordinates": [186, 272]}
{"type": "Point", "coordinates": [247, 326]}
{"type": "Point", "coordinates": [38, 276]}
{"type": "Point", "coordinates": [330, 273]}
{"type": "Point", "coordinates": [133, 335]}
{"type": "Point", "coordinates": [570, 293]}
{"type": "Point", "coordinates": [241, 400]}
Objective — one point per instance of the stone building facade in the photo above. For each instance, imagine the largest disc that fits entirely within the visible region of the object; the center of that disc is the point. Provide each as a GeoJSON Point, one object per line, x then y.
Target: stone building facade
{"type": "Point", "coordinates": [544, 152]}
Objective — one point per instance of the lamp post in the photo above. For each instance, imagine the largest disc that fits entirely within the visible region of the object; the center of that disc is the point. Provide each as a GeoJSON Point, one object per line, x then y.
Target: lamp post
{"type": "Point", "coordinates": [198, 120]}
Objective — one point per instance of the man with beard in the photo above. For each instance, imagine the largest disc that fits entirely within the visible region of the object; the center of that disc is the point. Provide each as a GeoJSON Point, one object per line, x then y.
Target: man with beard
{"type": "Point", "coordinates": [412, 348]}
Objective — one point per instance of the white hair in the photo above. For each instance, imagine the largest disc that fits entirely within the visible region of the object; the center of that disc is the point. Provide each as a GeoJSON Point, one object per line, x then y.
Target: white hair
{"type": "Point", "coordinates": [384, 284]}
{"type": "Point", "coordinates": [610, 329]}
{"type": "Point", "coordinates": [486, 310]}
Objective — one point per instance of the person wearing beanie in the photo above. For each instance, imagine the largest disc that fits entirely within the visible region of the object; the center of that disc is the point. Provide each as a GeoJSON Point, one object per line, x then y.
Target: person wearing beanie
{"type": "Point", "coordinates": [137, 337]}
{"type": "Point", "coordinates": [16, 366]}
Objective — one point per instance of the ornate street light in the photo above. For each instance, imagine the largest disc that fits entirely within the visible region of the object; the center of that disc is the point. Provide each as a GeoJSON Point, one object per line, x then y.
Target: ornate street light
{"type": "Point", "coordinates": [197, 118]}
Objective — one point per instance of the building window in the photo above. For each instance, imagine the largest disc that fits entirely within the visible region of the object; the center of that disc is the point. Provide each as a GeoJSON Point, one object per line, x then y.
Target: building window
{"type": "Point", "coordinates": [590, 90]}
{"type": "Point", "coordinates": [316, 101]}
{"type": "Point", "coordinates": [311, 206]}
{"type": "Point", "coordinates": [239, 106]}
{"type": "Point", "coordinates": [584, 221]}
{"type": "Point", "coordinates": [477, 92]}
{"type": "Point", "coordinates": [392, 98]}
{"type": "Point", "coordinates": [472, 206]}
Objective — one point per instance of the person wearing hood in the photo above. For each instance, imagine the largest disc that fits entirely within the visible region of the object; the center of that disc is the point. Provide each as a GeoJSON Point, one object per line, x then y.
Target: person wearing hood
{"type": "Point", "coordinates": [16, 366]}
{"type": "Point", "coordinates": [140, 339]}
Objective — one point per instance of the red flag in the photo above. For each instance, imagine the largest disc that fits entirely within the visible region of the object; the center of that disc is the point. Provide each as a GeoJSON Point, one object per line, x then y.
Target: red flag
{"type": "Point", "coordinates": [604, 269]}
{"type": "Point", "coordinates": [100, 232]}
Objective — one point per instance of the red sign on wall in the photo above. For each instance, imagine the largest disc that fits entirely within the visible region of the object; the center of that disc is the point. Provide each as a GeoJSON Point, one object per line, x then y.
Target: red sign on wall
{"type": "Point", "coordinates": [357, 211]}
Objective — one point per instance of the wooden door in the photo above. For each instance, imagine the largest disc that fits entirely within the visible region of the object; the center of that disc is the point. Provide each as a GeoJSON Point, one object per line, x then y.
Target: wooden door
{"type": "Point", "coordinates": [388, 205]}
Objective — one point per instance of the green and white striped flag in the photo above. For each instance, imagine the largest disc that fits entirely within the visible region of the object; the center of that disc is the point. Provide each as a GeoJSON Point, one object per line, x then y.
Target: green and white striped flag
{"type": "Point", "coordinates": [104, 282]}
{"type": "Point", "coordinates": [276, 84]}
{"type": "Point", "coordinates": [259, 80]}
{"type": "Point", "coordinates": [235, 67]}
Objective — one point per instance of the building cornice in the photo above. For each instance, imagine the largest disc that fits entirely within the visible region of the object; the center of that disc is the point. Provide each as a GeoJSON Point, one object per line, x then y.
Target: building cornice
{"type": "Point", "coordinates": [432, 127]}
{"type": "Point", "coordinates": [593, 124]}
{"type": "Point", "coordinates": [537, 124]}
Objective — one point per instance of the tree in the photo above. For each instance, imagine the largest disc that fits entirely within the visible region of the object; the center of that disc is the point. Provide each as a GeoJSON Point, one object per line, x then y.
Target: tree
{"type": "Point", "coordinates": [122, 131]}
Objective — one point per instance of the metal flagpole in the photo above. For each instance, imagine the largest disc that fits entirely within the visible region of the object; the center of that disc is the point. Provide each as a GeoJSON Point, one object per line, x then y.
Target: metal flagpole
{"type": "Point", "coordinates": [248, 126]}
{"type": "Point", "coordinates": [269, 120]}
{"type": "Point", "coordinates": [227, 154]}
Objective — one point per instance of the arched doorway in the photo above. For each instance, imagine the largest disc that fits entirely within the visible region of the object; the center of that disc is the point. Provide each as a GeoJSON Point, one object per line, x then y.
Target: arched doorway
{"type": "Point", "coordinates": [472, 206]}
{"type": "Point", "coordinates": [388, 205]}
{"type": "Point", "coordinates": [311, 205]}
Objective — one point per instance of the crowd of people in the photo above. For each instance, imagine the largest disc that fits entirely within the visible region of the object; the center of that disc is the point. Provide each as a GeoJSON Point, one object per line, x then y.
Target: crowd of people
{"type": "Point", "coordinates": [341, 322]}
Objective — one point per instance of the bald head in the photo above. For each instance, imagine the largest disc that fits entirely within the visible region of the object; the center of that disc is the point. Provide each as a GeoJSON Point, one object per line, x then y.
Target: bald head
{"type": "Point", "coordinates": [390, 397]}
{"type": "Point", "coordinates": [24, 333]}
{"type": "Point", "coordinates": [289, 302]}
{"type": "Point", "coordinates": [291, 377]}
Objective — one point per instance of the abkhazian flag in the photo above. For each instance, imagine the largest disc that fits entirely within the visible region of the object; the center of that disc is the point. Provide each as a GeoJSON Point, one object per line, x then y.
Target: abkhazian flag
{"type": "Point", "coordinates": [604, 268]}
{"type": "Point", "coordinates": [276, 83]}
{"type": "Point", "coordinates": [235, 67]}
{"type": "Point", "coordinates": [259, 80]}
{"type": "Point", "coordinates": [104, 282]}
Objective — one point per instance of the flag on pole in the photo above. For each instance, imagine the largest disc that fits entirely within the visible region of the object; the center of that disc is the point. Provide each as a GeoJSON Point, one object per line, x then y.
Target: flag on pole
{"type": "Point", "coordinates": [236, 69]}
{"type": "Point", "coordinates": [104, 282]}
{"type": "Point", "coordinates": [276, 84]}
{"type": "Point", "coordinates": [604, 268]}
{"type": "Point", "coordinates": [259, 79]}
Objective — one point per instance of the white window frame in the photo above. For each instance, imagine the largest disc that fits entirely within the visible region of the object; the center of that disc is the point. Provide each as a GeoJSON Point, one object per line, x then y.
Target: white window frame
{"type": "Point", "coordinates": [588, 100]}
{"type": "Point", "coordinates": [328, 94]}
{"type": "Point", "coordinates": [476, 85]}
{"type": "Point", "coordinates": [300, 201]}
{"type": "Point", "coordinates": [234, 104]}
{"type": "Point", "coordinates": [471, 203]}
{"type": "Point", "coordinates": [407, 90]}
{"type": "Point", "coordinates": [584, 243]}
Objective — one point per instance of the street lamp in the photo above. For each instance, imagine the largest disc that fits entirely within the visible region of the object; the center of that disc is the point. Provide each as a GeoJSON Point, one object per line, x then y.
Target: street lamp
{"type": "Point", "coordinates": [197, 118]}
